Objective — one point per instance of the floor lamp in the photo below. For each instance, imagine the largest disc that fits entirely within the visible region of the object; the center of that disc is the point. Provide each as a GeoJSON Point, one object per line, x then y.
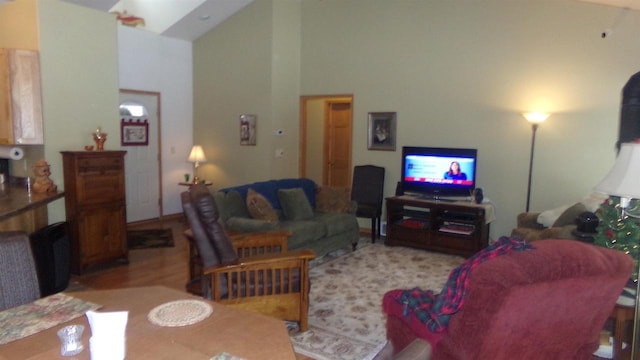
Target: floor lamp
{"type": "Point", "coordinates": [622, 181]}
{"type": "Point", "coordinates": [535, 118]}
{"type": "Point", "coordinates": [196, 157]}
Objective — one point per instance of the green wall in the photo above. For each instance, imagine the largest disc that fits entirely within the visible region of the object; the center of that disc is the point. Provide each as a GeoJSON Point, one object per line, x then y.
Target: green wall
{"type": "Point", "coordinates": [250, 66]}
{"type": "Point", "coordinates": [79, 64]}
{"type": "Point", "coordinates": [458, 73]}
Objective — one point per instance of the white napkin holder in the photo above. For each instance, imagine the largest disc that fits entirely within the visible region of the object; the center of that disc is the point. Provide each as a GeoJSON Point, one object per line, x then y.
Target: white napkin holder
{"type": "Point", "coordinates": [108, 340]}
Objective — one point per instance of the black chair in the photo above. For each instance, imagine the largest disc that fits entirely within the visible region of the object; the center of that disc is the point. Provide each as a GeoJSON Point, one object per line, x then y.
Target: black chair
{"type": "Point", "coordinates": [367, 190]}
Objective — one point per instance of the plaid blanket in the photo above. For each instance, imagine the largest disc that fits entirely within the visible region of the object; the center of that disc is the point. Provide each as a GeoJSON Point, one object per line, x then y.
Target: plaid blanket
{"type": "Point", "coordinates": [434, 310]}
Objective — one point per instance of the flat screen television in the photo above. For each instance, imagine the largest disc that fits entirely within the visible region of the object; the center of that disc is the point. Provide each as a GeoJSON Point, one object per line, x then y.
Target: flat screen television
{"type": "Point", "coordinates": [439, 172]}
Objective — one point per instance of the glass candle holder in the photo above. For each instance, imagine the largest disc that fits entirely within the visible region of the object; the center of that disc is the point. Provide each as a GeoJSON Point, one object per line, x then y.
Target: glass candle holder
{"type": "Point", "coordinates": [71, 340]}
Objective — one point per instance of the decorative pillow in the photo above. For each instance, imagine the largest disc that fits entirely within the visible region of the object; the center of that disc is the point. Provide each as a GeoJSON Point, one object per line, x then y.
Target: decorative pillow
{"type": "Point", "coordinates": [295, 204]}
{"type": "Point", "coordinates": [568, 217]}
{"type": "Point", "coordinates": [230, 204]}
{"type": "Point", "coordinates": [259, 207]}
{"type": "Point", "coordinates": [333, 199]}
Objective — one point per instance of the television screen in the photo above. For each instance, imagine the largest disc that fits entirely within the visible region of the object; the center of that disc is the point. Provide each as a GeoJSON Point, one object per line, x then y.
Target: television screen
{"type": "Point", "coordinates": [439, 171]}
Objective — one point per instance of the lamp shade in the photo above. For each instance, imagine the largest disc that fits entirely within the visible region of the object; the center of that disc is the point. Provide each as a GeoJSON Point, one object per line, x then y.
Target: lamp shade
{"type": "Point", "coordinates": [197, 154]}
{"type": "Point", "coordinates": [624, 178]}
{"type": "Point", "coordinates": [535, 117]}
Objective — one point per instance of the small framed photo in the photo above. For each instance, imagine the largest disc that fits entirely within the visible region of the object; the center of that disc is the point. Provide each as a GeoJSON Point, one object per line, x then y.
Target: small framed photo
{"type": "Point", "coordinates": [134, 132]}
{"type": "Point", "coordinates": [382, 131]}
{"type": "Point", "coordinates": [248, 129]}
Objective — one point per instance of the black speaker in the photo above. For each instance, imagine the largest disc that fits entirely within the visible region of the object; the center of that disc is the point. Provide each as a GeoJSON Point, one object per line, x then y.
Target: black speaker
{"type": "Point", "coordinates": [4, 168]}
{"type": "Point", "coordinates": [399, 190]}
{"type": "Point", "coordinates": [478, 196]}
{"type": "Point", "coordinates": [52, 254]}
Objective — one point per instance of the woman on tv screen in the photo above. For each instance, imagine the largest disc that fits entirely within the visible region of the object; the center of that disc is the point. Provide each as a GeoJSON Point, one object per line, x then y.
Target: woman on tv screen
{"type": "Point", "coordinates": [454, 172]}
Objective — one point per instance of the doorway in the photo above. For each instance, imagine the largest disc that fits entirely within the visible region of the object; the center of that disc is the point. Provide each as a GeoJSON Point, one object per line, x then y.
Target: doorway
{"type": "Point", "coordinates": [142, 163]}
{"type": "Point", "coordinates": [326, 132]}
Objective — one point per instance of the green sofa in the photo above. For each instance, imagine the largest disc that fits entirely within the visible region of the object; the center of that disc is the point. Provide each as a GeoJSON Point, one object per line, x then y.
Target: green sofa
{"type": "Point", "coordinates": [320, 218]}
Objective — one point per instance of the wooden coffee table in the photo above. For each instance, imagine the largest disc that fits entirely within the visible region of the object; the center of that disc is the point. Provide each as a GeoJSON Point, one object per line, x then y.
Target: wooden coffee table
{"type": "Point", "coordinates": [244, 334]}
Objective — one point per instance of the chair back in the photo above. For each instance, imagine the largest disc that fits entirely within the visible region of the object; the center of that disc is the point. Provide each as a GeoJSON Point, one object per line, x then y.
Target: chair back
{"type": "Point", "coordinates": [18, 276]}
{"type": "Point", "coordinates": [368, 186]}
{"type": "Point", "coordinates": [209, 236]}
{"type": "Point", "coordinates": [548, 303]}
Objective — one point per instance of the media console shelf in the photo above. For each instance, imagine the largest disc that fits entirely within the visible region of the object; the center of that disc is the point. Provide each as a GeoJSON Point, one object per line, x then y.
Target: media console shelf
{"type": "Point", "coordinates": [460, 228]}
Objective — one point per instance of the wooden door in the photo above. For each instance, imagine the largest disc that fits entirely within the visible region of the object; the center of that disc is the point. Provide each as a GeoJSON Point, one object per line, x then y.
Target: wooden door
{"type": "Point", "coordinates": [326, 139]}
{"type": "Point", "coordinates": [337, 144]}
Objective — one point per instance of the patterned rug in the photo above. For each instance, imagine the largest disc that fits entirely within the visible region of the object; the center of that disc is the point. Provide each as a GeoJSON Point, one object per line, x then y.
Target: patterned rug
{"type": "Point", "coordinates": [149, 238]}
{"type": "Point", "coordinates": [42, 314]}
{"type": "Point", "coordinates": [345, 313]}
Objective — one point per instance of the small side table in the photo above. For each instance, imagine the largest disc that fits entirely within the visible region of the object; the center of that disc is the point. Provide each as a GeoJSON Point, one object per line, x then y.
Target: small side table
{"type": "Point", "coordinates": [206, 183]}
{"type": "Point", "coordinates": [621, 314]}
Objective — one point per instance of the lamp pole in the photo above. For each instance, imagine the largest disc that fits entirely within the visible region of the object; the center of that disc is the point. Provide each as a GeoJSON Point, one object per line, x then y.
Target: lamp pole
{"type": "Point", "coordinates": [534, 128]}
{"type": "Point", "coordinates": [535, 118]}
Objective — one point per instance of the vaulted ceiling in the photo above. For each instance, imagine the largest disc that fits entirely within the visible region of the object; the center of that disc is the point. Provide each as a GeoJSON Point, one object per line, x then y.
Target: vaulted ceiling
{"type": "Point", "coordinates": [183, 19]}
{"type": "Point", "coordinates": [189, 19]}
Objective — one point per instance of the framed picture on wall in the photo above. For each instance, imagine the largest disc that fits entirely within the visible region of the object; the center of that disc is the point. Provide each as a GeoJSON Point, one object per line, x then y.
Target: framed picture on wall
{"type": "Point", "coordinates": [134, 132]}
{"type": "Point", "coordinates": [248, 129]}
{"type": "Point", "coordinates": [382, 131]}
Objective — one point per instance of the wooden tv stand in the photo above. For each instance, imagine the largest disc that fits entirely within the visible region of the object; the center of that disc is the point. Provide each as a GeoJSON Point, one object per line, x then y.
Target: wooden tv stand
{"type": "Point", "coordinates": [459, 227]}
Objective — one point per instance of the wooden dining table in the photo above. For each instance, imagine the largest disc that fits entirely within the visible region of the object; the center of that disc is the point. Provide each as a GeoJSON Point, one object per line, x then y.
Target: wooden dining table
{"type": "Point", "coordinates": [236, 332]}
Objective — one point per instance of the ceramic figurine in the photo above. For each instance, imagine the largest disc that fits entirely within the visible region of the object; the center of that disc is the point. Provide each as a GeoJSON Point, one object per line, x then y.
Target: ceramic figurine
{"type": "Point", "coordinates": [42, 183]}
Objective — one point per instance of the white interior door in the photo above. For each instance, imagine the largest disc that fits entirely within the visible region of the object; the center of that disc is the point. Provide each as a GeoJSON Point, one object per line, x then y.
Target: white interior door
{"type": "Point", "coordinates": [142, 163]}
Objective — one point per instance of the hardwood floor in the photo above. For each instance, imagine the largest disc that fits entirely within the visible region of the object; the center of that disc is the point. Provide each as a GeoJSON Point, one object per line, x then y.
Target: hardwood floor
{"type": "Point", "coordinates": [160, 266]}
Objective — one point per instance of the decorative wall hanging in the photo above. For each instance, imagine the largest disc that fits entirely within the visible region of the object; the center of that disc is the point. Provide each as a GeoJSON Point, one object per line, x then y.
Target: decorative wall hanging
{"type": "Point", "coordinates": [248, 129]}
{"type": "Point", "coordinates": [128, 19]}
{"type": "Point", "coordinates": [134, 132]}
{"type": "Point", "coordinates": [382, 131]}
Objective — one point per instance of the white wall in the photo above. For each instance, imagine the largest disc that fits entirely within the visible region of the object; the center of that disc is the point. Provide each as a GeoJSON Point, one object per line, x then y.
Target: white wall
{"type": "Point", "coordinates": [149, 62]}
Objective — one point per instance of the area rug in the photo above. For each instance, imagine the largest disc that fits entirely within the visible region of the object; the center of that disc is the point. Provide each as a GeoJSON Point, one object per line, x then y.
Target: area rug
{"type": "Point", "coordinates": [345, 312]}
{"type": "Point", "coordinates": [149, 238]}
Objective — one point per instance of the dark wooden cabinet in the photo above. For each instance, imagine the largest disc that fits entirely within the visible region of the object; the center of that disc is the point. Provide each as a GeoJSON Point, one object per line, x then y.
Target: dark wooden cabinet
{"type": "Point", "coordinates": [96, 207]}
{"type": "Point", "coordinates": [459, 228]}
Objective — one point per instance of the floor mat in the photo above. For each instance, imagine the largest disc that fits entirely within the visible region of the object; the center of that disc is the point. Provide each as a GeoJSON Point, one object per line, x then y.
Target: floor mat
{"type": "Point", "coordinates": [149, 238]}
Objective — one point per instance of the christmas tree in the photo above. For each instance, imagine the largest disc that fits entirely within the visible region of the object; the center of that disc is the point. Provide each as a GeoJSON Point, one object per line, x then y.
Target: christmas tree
{"type": "Point", "coordinates": [620, 229]}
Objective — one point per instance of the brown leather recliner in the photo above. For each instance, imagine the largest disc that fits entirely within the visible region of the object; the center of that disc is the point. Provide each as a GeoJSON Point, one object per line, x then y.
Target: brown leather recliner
{"type": "Point", "coordinates": [252, 271]}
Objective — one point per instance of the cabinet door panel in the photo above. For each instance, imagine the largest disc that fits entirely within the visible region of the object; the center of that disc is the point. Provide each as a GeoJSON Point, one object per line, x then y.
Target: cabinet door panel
{"type": "Point", "coordinates": [6, 118]}
{"type": "Point", "coordinates": [97, 189]}
{"type": "Point", "coordinates": [26, 97]}
{"type": "Point", "coordinates": [101, 232]}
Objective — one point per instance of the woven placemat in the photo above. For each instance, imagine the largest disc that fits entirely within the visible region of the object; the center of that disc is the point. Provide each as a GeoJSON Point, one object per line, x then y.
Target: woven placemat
{"type": "Point", "coordinates": [24, 320]}
{"type": "Point", "coordinates": [180, 313]}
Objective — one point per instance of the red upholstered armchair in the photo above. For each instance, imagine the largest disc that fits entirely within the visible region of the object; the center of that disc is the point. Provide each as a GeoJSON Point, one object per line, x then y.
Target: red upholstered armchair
{"type": "Point", "coordinates": [548, 303]}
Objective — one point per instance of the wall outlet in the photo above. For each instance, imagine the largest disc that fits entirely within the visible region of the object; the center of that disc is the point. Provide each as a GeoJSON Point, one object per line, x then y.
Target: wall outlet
{"type": "Point", "coordinates": [280, 132]}
{"type": "Point", "coordinates": [383, 228]}
{"type": "Point", "coordinates": [279, 153]}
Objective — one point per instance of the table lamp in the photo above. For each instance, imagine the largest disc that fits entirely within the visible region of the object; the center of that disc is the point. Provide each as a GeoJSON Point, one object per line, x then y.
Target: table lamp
{"type": "Point", "coordinates": [623, 181]}
{"type": "Point", "coordinates": [196, 157]}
